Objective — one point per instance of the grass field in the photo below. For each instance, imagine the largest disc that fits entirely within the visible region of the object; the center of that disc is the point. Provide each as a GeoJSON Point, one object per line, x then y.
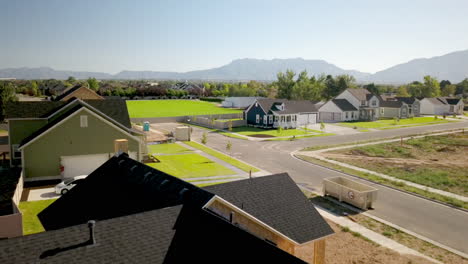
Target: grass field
{"type": "Point", "coordinates": [167, 149]}
{"type": "Point", "coordinates": [440, 162]}
{"type": "Point", "coordinates": [221, 156]}
{"type": "Point", "coordinates": [190, 166]}
{"type": "Point", "coordinates": [168, 108]}
{"type": "Point", "coordinates": [31, 223]}
{"type": "Point", "coordinates": [390, 124]}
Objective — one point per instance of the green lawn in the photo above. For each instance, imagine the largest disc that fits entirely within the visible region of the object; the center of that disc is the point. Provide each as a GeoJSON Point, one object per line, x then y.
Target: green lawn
{"type": "Point", "coordinates": [189, 166]}
{"type": "Point", "coordinates": [221, 156]}
{"type": "Point", "coordinates": [31, 223]}
{"type": "Point", "coordinates": [209, 184]}
{"type": "Point", "coordinates": [253, 131]}
{"type": "Point", "coordinates": [167, 108]}
{"type": "Point", "coordinates": [168, 148]}
{"type": "Point", "coordinates": [389, 124]}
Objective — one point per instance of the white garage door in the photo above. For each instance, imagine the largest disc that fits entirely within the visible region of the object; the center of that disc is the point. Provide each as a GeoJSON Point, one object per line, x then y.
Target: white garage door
{"type": "Point", "coordinates": [85, 164]}
{"type": "Point", "coordinates": [304, 119]}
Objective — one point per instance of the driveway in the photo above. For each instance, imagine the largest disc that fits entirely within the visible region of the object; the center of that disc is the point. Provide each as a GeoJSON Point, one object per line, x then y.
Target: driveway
{"type": "Point", "coordinates": [440, 223]}
{"type": "Point", "coordinates": [36, 194]}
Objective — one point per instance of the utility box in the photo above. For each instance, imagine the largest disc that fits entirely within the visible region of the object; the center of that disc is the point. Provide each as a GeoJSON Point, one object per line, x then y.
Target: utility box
{"type": "Point", "coordinates": [146, 126]}
{"type": "Point", "coordinates": [182, 133]}
{"type": "Point", "coordinates": [352, 192]}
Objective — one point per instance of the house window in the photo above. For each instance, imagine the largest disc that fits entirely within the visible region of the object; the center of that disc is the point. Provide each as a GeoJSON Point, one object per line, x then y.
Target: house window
{"type": "Point", "coordinates": [265, 119]}
{"type": "Point", "coordinates": [352, 114]}
{"type": "Point", "coordinates": [363, 102]}
{"type": "Point", "coordinates": [289, 118]}
{"type": "Point", "coordinates": [16, 152]}
{"type": "Point", "coordinates": [270, 119]}
{"type": "Point", "coordinates": [346, 115]}
{"type": "Point", "coordinates": [374, 103]}
{"type": "Point", "coordinates": [257, 118]}
{"type": "Point", "coordinates": [282, 118]}
{"type": "Point", "coordinates": [276, 118]}
{"type": "Point", "coordinates": [294, 118]}
{"type": "Point", "coordinates": [381, 111]}
{"type": "Point", "coordinates": [84, 121]}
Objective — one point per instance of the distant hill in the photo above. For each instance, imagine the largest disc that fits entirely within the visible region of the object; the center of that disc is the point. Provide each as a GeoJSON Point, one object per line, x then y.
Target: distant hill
{"type": "Point", "coordinates": [452, 66]}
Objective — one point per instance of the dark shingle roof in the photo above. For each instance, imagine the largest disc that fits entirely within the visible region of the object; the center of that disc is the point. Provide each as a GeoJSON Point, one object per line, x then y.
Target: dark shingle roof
{"type": "Point", "coordinates": [391, 104]}
{"type": "Point", "coordinates": [278, 202]}
{"type": "Point", "coordinates": [144, 215]}
{"type": "Point", "coordinates": [406, 100]}
{"type": "Point", "coordinates": [68, 92]}
{"type": "Point", "coordinates": [344, 105]}
{"type": "Point", "coordinates": [171, 235]}
{"type": "Point", "coordinates": [115, 109]}
{"type": "Point", "coordinates": [451, 101]}
{"type": "Point", "coordinates": [436, 101]}
{"type": "Point", "coordinates": [290, 106]}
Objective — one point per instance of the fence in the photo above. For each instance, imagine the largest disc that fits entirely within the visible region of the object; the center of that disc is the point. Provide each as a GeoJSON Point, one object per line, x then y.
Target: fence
{"type": "Point", "coordinates": [216, 124]}
{"type": "Point", "coordinates": [12, 225]}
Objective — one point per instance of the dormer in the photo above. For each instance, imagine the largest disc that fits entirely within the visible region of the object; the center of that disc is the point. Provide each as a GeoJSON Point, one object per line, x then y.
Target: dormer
{"type": "Point", "coordinates": [279, 106]}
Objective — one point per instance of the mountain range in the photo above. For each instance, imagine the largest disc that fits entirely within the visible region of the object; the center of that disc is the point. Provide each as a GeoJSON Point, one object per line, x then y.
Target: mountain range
{"type": "Point", "coordinates": [452, 66]}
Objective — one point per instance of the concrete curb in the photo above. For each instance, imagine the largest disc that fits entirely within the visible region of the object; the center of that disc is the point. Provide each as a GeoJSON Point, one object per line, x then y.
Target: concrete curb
{"type": "Point", "coordinates": [387, 186]}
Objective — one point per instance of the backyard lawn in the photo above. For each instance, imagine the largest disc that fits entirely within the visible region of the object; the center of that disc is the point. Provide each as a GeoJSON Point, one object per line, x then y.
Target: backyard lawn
{"type": "Point", "coordinates": [167, 149]}
{"type": "Point", "coordinates": [189, 166]}
{"type": "Point", "coordinates": [31, 223]}
{"type": "Point", "coordinates": [167, 108]}
{"type": "Point", "coordinates": [221, 156]}
{"type": "Point", "coordinates": [391, 124]}
{"type": "Point", "coordinates": [440, 162]}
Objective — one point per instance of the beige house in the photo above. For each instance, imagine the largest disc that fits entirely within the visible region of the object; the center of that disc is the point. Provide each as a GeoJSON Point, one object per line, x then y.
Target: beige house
{"type": "Point", "coordinates": [80, 92]}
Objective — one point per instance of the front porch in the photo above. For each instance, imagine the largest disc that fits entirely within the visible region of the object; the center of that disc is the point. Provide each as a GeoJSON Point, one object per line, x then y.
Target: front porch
{"type": "Point", "coordinates": [368, 114]}
{"type": "Point", "coordinates": [285, 121]}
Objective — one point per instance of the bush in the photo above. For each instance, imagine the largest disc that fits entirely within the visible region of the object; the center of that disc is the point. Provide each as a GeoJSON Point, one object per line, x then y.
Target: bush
{"type": "Point", "coordinates": [210, 99]}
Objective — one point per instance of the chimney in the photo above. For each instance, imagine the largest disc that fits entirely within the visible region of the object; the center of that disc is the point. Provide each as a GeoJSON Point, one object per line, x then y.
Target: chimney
{"type": "Point", "coordinates": [91, 225]}
{"type": "Point", "coordinates": [120, 146]}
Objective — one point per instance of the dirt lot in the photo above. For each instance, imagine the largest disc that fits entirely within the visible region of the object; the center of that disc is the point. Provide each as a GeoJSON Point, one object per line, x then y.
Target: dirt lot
{"type": "Point", "coordinates": [439, 161]}
{"type": "Point", "coordinates": [347, 247]}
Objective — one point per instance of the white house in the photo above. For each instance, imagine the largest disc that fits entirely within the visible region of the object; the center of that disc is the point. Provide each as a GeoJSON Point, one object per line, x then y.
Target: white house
{"type": "Point", "coordinates": [434, 106]}
{"type": "Point", "coordinates": [337, 110]}
{"type": "Point", "coordinates": [366, 102]}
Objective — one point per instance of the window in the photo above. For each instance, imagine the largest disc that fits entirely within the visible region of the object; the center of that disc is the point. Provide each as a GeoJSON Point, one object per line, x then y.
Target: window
{"type": "Point", "coordinates": [352, 114]}
{"type": "Point", "coordinates": [374, 103]}
{"type": "Point", "coordinates": [84, 121]}
{"type": "Point", "coordinates": [276, 118]}
{"type": "Point", "coordinates": [346, 115]}
{"type": "Point", "coordinates": [271, 119]}
{"type": "Point", "coordinates": [381, 111]}
{"type": "Point", "coordinates": [282, 118]}
{"type": "Point", "coordinates": [294, 117]}
{"type": "Point", "coordinates": [289, 118]}
{"type": "Point", "coordinates": [16, 152]}
{"type": "Point", "coordinates": [257, 118]}
{"type": "Point", "coordinates": [363, 102]}
{"type": "Point", "coordinates": [265, 119]}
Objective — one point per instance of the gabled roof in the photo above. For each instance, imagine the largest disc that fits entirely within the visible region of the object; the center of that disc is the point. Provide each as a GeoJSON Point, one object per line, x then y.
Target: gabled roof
{"type": "Point", "coordinates": [290, 106]}
{"type": "Point", "coordinates": [115, 109]}
{"type": "Point", "coordinates": [435, 101]}
{"type": "Point", "coordinates": [359, 93]}
{"type": "Point", "coordinates": [344, 105]}
{"type": "Point", "coordinates": [391, 104]}
{"type": "Point", "coordinates": [122, 186]}
{"type": "Point", "coordinates": [72, 90]}
{"type": "Point", "coordinates": [278, 202]}
{"type": "Point", "coordinates": [449, 100]}
{"type": "Point", "coordinates": [175, 234]}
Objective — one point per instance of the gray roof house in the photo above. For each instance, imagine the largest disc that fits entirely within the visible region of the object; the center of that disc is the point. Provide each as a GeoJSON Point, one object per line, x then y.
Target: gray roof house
{"type": "Point", "coordinates": [140, 214]}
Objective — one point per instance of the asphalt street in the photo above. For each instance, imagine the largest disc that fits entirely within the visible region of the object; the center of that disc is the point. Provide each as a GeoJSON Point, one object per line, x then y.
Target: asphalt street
{"type": "Point", "coordinates": [438, 222]}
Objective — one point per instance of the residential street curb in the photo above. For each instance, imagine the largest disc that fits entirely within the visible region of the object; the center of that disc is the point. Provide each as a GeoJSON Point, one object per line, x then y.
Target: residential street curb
{"type": "Point", "coordinates": [387, 186]}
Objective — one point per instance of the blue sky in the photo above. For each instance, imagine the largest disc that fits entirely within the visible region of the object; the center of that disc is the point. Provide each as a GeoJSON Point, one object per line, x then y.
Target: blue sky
{"type": "Point", "coordinates": [114, 35]}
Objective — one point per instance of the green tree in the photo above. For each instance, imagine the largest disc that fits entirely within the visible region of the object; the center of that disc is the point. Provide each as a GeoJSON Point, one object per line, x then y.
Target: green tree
{"type": "Point", "coordinates": [448, 90]}
{"type": "Point", "coordinates": [7, 94]}
{"type": "Point", "coordinates": [402, 91]}
{"type": "Point", "coordinates": [415, 89]}
{"type": "Point", "coordinates": [371, 87]}
{"type": "Point", "coordinates": [229, 147]}
{"type": "Point", "coordinates": [93, 84]}
{"type": "Point", "coordinates": [285, 84]}
{"type": "Point", "coordinates": [71, 80]}
{"type": "Point", "coordinates": [431, 87]}
{"type": "Point", "coordinates": [462, 87]}
{"type": "Point", "coordinates": [204, 138]}
{"type": "Point", "coordinates": [34, 91]}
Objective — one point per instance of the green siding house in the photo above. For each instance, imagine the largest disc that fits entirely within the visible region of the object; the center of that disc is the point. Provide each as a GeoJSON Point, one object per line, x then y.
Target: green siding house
{"type": "Point", "coordinates": [55, 140]}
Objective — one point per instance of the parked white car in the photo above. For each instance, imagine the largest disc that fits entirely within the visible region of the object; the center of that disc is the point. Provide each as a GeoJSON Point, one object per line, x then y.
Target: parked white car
{"type": "Point", "coordinates": [65, 186]}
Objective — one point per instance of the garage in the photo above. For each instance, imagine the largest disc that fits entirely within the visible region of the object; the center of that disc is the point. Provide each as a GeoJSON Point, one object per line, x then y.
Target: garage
{"type": "Point", "coordinates": [306, 118]}
{"type": "Point", "coordinates": [84, 164]}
